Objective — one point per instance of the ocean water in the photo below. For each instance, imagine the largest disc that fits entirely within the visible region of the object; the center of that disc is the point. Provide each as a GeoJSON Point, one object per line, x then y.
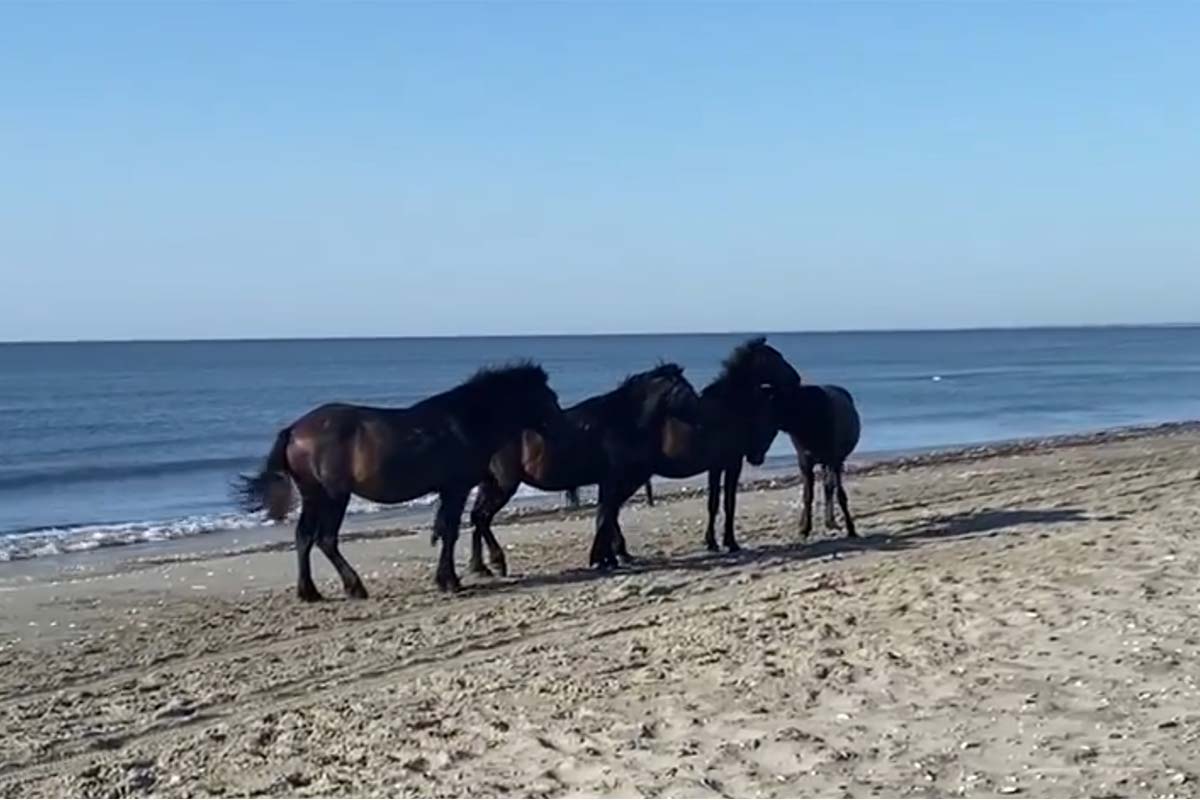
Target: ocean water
{"type": "Point", "coordinates": [108, 443]}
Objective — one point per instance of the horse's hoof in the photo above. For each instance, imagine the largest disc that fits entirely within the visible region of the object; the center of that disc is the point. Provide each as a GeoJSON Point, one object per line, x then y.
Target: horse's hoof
{"type": "Point", "coordinates": [309, 594]}
{"type": "Point", "coordinates": [501, 568]}
{"type": "Point", "coordinates": [851, 533]}
{"type": "Point", "coordinates": [448, 583]}
{"type": "Point", "coordinates": [732, 546]}
{"type": "Point", "coordinates": [711, 544]}
{"type": "Point", "coordinates": [357, 592]}
{"type": "Point", "coordinates": [481, 570]}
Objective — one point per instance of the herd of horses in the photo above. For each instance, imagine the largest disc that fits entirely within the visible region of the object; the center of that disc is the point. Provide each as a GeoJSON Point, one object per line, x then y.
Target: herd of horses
{"type": "Point", "coordinates": [504, 427]}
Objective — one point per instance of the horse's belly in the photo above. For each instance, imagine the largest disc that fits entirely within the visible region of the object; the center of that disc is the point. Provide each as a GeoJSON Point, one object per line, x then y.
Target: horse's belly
{"type": "Point", "coordinates": [679, 468]}
{"type": "Point", "coordinates": [562, 480]}
{"type": "Point", "coordinates": [400, 479]}
{"type": "Point", "coordinates": [379, 491]}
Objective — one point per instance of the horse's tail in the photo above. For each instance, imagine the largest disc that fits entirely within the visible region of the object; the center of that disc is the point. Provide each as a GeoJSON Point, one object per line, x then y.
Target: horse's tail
{"type": "Point", "coordinates": [572, 496]}
{"type": "Point", "coordinates": [271, 489]}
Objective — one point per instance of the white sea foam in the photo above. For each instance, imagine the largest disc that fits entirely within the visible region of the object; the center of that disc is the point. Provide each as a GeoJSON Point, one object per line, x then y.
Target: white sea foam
{"type": "Point", "coordinates": [54, 541]}
{"type": "Point", "coordinates": [79, 538]}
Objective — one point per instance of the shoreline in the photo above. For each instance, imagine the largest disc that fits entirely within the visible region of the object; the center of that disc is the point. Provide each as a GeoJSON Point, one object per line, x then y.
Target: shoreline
{"type": "Point", "coordinates": [406, 522]}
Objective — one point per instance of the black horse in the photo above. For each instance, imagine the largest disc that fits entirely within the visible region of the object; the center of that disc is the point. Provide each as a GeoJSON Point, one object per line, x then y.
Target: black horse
{"type": "Point", "coordinates": [612, 441]}
{"type": "Point", "coordinates": [736, 422]}
{"type": "Point", "coordinates": [442, 444]}
{"type": "Point", "coordinates": [824, 426]}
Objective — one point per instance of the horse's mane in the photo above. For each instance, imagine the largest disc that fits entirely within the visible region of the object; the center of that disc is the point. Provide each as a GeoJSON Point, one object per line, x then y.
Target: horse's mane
{"type": "Point", "coordinates": [517, 374]}
{"type": "Point", "coordinates": [737, 363]}
{"type": "Point", "coordinates": [664, 369]}
{"type": "Point", "coordinates": [619, 405]}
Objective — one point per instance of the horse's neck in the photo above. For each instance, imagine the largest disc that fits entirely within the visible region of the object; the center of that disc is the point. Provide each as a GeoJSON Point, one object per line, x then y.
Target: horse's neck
{"type": "Point", "coordinates": [646, 422]}
{"type": "Point", "coordinates": [723, 397]}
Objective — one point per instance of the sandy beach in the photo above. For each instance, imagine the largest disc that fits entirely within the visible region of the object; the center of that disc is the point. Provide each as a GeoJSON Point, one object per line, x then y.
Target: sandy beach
{"type": "Point", "coordinates": [1018, 620]}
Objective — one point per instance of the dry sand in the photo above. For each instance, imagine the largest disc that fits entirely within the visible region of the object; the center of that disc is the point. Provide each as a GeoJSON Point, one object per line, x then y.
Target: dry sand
{"type": "Point", "coordinates": [1017, 623]}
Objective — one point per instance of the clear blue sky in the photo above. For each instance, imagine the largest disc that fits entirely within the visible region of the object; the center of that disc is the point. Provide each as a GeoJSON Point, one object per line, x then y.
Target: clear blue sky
{"type": "Point", "coordinates": [199, 170]}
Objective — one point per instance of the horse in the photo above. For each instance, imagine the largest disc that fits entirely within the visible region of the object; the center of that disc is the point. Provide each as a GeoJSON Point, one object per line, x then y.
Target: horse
{"type": "Point", "coordinates": [613, 443]}
{"type": "Point", "coordinates": [736, 422]}
{"type": "Point", "coordinates": [442, 444]}
{"type": "Point", "coordinates": [824, 427]}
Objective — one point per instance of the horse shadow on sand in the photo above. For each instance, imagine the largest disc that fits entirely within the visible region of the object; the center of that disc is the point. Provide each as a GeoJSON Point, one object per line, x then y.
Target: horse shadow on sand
{"type": "Point", "coordinates": [947, 527]}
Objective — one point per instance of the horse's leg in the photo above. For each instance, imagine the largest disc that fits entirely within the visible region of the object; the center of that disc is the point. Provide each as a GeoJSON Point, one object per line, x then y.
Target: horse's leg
{"type": "Point", "coordinates": [612, 496]}
{"type": "Point", "coordinates": [714, 503]}
{"type": "Point", "coordinates": [495, 552]}
{"type": "Point", "coordinates": [806, 470]}
{"type": "Point", "coordinates": [333, 511]}
{"type": "Point", "coordinates": [619, 546]}
{"type": "Point", "coordinates": [732, 473]}
{"type": "Point", "coordinates": [601, 555]}
{"type": "Point", "coordinates": [479, 518]}
{"type": "Point", "coordinates": [490, 498]}
{"type": "Point", "coordinates": [839, 473]}
{"type": "Point", "coordinates": [447, 522]}
{"type": "Point", "coordinates": [306, 536]}
{"type": "Point", "coordinates": [829, 478]}
{"type": "Point", "coordinates": [649, 493]}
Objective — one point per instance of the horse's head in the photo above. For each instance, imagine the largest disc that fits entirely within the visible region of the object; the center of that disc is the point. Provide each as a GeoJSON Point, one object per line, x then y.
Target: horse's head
{"type": "Point", "coordinates": [663, 392]}
{"type": "Point", "coordinates": [755, 360]}
{"type": "Point", "coordinates": [761, 425]}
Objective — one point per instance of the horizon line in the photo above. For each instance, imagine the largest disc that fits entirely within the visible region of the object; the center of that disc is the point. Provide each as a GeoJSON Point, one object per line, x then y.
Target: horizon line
{"type": "Point", "coordinates": [631, 334]}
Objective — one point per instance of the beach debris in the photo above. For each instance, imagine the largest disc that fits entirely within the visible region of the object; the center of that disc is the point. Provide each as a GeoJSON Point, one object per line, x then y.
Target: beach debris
{"type": "Point", "coordinates": [297, 778]}
{"type": "Point", "coordinates": [659, 589]}
{"type": "Point", "coordinates": [175, 707]}
{"type": "Point", "coordinates": [140, 777]}
{"type": "Point", "coordinates": [418, 764]}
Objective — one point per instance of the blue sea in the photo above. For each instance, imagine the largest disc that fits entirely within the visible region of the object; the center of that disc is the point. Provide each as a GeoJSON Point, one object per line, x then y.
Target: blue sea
{"type": "Point", "coordinates": [110, 443]}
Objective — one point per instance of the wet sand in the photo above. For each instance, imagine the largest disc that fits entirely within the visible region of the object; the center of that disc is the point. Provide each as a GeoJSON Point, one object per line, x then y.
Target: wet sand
{"type": "Point", "coordinates": [1015, 620]}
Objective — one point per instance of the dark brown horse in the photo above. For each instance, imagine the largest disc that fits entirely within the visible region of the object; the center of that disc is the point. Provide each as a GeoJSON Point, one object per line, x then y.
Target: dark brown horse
{"type": "Point", "coordinates": [613, 440]}
{"type": "Point", "coordinates": [736, 422]}
{"type": "Point", "coordinates": [824, 426]}
{"type": "Point", "coordinates": [442, 444]}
